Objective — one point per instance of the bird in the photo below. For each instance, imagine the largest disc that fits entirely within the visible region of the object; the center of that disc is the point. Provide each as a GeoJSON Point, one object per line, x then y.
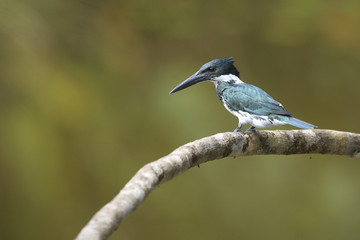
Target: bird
{"type": "Point", "coordinates": [250, 104]}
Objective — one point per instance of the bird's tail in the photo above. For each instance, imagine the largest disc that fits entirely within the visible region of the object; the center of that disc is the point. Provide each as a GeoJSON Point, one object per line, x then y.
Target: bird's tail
{"type": "Point", "coordinates": [298, 123]}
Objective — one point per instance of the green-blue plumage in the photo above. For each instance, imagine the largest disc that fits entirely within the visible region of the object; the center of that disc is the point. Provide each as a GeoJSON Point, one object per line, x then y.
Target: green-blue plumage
{"type": "Point", "coordinates": [249, 98]}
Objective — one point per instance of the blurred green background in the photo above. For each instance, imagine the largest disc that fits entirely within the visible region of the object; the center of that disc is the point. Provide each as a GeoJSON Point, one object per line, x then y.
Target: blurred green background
{"type": "Point", "coordinates": [84, 104]}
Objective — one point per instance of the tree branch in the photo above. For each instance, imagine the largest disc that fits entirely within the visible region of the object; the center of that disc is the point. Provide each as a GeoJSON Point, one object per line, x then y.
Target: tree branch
{"type": "Point", "coordinates": [221, 145]}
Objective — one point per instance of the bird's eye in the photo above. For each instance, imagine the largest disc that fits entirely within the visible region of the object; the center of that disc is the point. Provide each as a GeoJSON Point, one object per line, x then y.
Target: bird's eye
{"type": "Point", "coordinates": [211, 69]}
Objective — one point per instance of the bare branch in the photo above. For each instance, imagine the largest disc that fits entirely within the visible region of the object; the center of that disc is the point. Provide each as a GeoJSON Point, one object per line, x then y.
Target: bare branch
{"type": "Point", "coordinates": [221, 145]}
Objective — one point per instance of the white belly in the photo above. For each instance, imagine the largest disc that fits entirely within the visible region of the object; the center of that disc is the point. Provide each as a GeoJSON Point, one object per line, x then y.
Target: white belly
{"type": "Point", "coordinates": [258, 121]}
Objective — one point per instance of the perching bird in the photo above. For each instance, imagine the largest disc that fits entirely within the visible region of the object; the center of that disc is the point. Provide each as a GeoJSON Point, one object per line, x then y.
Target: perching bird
{"type": "Point", "coordinates": [249, 103]}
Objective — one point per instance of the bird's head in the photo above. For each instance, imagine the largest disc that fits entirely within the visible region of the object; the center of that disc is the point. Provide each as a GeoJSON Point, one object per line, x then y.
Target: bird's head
{"type": "Point", "coordinates": [216, 70]}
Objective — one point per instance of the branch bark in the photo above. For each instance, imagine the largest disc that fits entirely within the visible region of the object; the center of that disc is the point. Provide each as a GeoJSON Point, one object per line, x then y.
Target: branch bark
{"type": "Point", "coordinates": [221, 145]}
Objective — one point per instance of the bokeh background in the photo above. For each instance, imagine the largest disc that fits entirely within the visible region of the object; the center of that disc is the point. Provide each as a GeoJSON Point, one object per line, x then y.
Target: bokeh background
{"type": "Point", "coordinates": [84, 104]}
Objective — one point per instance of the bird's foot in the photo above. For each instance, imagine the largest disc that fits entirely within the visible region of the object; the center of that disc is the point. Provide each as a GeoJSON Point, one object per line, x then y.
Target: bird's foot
{"type": "Point", "coordinates": [238, 129]}
{"type": "Point", "coordinates": [252, 129]}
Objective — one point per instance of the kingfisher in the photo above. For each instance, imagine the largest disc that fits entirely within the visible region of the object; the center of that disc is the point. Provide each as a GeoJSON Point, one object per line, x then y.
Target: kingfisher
{"type": "Point", "coordinates": [250, 104]}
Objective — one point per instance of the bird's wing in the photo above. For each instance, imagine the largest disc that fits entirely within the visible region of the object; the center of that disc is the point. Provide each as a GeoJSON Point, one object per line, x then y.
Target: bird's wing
{"type": "Point", "coordinates": [249, 98]}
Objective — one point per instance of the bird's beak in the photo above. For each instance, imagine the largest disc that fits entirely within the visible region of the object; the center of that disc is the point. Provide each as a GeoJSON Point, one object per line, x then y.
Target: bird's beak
{"type": "Point", "coordinates": [194, 79]}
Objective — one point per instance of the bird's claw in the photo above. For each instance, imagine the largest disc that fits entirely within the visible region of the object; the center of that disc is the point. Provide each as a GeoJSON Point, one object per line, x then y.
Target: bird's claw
{"type": "Point", "coordinates": [252, 129]}
{"type": "Point", "coordinates": [238, 130]}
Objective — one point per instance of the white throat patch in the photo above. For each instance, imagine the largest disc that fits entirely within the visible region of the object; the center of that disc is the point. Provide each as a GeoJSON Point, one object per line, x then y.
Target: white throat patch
{"type": "Point", "coordinates": [228, 78]}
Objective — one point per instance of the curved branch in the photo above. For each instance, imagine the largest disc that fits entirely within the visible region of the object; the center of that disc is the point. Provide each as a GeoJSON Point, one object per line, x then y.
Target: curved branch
{"type": "Point", "coordinates": [221, 145]}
